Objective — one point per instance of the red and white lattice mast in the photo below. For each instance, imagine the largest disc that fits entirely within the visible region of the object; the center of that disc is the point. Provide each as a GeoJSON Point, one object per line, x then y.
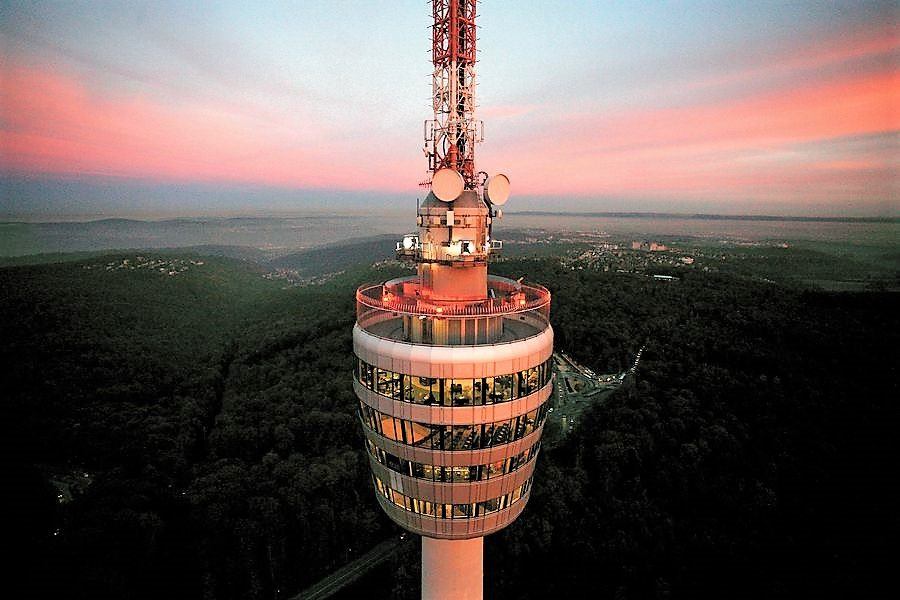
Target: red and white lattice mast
{"type": "Point", "coordinates": [451, 136]}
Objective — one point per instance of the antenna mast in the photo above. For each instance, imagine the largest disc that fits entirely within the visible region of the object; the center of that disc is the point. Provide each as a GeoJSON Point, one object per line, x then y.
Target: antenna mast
{"type": "Point", "coordinates": [450, 137]}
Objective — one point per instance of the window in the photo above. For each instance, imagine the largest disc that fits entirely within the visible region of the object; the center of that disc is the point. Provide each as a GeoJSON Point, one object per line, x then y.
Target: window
{"type": "Point", "coordinates": [528, 381]}
{"type": "Point", "coordinates": [453, 392]}
{"type": "Point", "coordinates": [462, 392]}
{"type": "Point", "coordinates": [453, 474]}
{"type": "Point", "coordinates": [423, 390]}
{"type": "Point", "coordinates": [388, 383]}
{"type": "Point", "coordinates": [457, 437]}
{"type": "Point", "coordinates": [503, 388]}
{"type": "Point", "coordinates": [459, 474]}
{"type": "Point", "coordinates": [449, 511]}
{"type": "Point", "coordinates": [431, 472]}
{"type": "Point", "coordinates": [367, 375]}
{"type": "Point", "coordinates": [479, 392]}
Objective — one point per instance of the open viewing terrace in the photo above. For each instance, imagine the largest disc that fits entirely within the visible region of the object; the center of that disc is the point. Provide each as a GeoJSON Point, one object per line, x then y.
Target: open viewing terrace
{"type": "Point", "coordinates": [395, 310]}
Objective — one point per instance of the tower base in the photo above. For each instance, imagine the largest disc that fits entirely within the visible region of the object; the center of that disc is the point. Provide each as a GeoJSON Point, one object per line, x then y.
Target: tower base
{"type": "Point", "coordinates": [452, 569]}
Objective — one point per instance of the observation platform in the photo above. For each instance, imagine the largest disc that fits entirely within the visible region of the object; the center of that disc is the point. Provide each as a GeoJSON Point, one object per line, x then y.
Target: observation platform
{"type": "Point", "coordinates": [395, 310]}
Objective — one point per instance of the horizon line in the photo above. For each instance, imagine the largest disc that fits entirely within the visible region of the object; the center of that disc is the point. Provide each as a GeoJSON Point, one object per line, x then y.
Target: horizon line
{"type": "Point", "coordinates": [22, 219]}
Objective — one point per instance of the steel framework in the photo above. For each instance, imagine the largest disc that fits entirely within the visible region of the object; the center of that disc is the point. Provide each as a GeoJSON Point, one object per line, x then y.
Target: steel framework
{"type": "Point", "coordinates": [450, 137]}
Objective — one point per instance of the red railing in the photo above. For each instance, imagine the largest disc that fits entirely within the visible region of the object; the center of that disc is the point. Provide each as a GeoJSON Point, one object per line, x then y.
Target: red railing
{"type": "Point", "coordinates": [509, 297]}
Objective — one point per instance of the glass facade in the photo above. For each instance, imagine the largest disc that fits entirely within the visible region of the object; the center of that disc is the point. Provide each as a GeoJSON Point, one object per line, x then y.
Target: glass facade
{"type": "Point", "coordinates": [453, 392]}
{"type": "Point", "coordinates": [450, 511]}
{"type": "Point", "coordinates": [455, 474]}
{"type": "Point", "coordinates": [452, 437]}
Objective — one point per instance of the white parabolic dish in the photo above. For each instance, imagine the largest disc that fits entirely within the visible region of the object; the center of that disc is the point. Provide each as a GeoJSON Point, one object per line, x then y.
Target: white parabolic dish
{"type": "Point", "coordinates": [496, 190]}
{"type": "Point", "coordinates": [447, 185]}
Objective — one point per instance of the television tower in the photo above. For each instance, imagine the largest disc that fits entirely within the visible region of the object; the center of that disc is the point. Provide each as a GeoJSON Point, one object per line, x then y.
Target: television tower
{"type": "Point", "coordinates": [453, 367]}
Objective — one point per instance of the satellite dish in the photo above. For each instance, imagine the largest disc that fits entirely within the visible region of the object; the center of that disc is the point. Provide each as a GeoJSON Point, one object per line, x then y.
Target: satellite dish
{"type": "Point", "coordinates": [496, 190]}
{"type": "Point", "coordinates": [447, 185]}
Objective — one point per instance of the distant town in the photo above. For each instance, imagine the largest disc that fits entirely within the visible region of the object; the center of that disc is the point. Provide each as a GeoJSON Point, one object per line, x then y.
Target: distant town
{"type": "Point", "coordinates": [167, 266]}
{"type": "Point", "coordinates": [596, 251]}
{"type": "Point", "coordinates": [293, 278]}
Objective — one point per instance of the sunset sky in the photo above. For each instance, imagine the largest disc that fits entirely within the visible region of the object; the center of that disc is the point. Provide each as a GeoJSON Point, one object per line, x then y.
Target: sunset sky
{"type": "Point", "coordinates": [121, 108]}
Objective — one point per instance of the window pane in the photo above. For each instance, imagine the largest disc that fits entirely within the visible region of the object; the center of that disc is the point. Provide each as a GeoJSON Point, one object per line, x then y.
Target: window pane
{"type": "Point", "coordinates": [389, 428]}
{"type": "Point", "coordinates": [388, 383]}
{"type": "Point", "coordinates": [470, 437]}
{"type": "Point", "coordinates": [368, 376]}
{"type": "Point", "coordinates": [469, 325]}
{"type": "Point", "coordinates": [462, 435]}
{"type": "Point", "coordinates": [503, 388]}
{"type": "Point", "coordinates": [480, 391]}
{"type": "Point", "coordinates": [461, 392]}
{"type": "Point", "coordinates": [529, 381]}
{"type": "Point", "coordinates": [460, 474]}
{"type": "Point", "coordinates": [453, 331]}
{"type": "Point", "coordinates": [517, 493]}
{"type": "Point", "coordinates": [417, 433]}
{"type": "Point", "coordinates": [502, 433]}
{"type": "Point", "coordinates": [393, 462]}
{"type": "Point", "coordinates": [488, 435]}
{"type": "Point", "coordinates": [489, 396]}
{"type": "Point", "coordinates": [405, 389]}
{"type": "Point", "coordinates": [424, 390]}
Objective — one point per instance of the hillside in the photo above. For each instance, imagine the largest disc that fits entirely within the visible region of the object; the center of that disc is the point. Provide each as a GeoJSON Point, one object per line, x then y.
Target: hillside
{"type": "Point", "coordinates": [188, 430]}
{"type": "Point", "coordinates": [337, 257]}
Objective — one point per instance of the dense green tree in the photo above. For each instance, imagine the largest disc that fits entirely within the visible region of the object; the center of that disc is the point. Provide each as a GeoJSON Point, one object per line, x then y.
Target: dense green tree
{"type": "Point", "coordinates": [204, 432]}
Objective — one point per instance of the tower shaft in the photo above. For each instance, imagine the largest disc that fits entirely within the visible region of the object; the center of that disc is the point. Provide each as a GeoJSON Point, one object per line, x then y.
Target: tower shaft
{"type": "Point", "coordinates": [452, 569]}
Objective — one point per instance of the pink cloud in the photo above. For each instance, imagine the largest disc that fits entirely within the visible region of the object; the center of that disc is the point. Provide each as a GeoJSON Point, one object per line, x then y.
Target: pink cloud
{"type": "Point", "coordinates": [52, 123]}
{"type": "Point", "coordinates": [793, 59]}
{"type": "Point", "coordinates": [767, 144]}
{"type": "Point", "coordinates": [764, 144]}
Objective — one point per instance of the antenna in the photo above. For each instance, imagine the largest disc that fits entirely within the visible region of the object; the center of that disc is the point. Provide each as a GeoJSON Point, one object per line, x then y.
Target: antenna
{"type": "Point", "coordinates": [496, 189]}
{"type": "Point", "coordinates": [450, 137]}
{"type": "Point", "coordinates": [447, 185]}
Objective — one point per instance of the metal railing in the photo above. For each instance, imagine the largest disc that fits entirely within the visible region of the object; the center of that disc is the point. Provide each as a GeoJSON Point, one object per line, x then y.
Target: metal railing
{"type": "Point", "coordinates": [505, 297]}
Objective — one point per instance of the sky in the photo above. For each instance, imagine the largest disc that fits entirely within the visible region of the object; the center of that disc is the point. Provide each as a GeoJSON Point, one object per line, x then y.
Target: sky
{"type": "Point", "coordinates": [156, 108]}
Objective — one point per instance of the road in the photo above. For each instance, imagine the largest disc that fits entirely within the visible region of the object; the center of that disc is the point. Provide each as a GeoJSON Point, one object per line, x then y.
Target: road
{"type": "Point", "coordinates": [637, 360]}
{"type": "Point", "coordinates": [350, 572]}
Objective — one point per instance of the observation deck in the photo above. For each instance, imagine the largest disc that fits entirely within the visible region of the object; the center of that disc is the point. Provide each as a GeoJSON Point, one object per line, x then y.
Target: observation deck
{"type": "Point", "coordinates": [398, 310]}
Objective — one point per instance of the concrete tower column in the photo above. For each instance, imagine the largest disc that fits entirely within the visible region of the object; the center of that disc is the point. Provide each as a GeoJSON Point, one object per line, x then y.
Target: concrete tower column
{"type": "Point", "coordinates": [454, 366]}
{"type": "Point", "coordinates": [452, 569]}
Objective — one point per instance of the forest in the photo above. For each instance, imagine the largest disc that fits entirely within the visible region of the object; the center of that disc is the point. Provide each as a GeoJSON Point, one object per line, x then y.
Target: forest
{"type": "Point", "coordinates": [194, 436]}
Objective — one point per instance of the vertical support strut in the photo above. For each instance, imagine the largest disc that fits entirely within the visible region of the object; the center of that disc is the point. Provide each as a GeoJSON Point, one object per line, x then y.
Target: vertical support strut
{"type": "Point", "coordinates": [450, 137]}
